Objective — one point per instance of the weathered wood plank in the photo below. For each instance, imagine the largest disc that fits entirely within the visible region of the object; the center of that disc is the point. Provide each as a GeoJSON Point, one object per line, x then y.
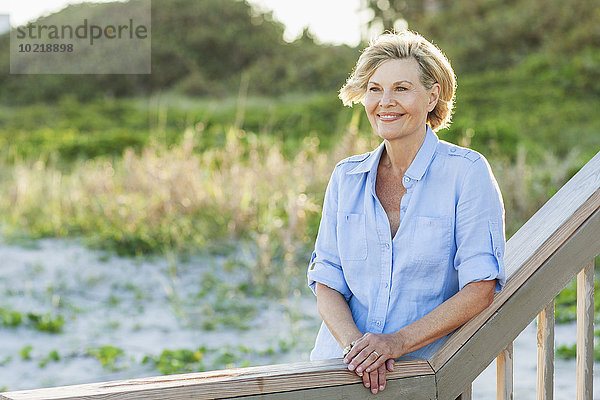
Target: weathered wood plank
{"type": "Point", "coordinates": [554, 223]}
{"type": "Point", "coordinates": [545, 353]}
{"type": "Point", "coordinates": [413, 388]}
{"type": "Point", "coordinates": [518, 311]}
{"type": "Point", "coordinates": [222, 384]}
{"type": "Point", "coordinates": [504, 374]}
{"type": "Point", "coordinates": [585, 332]}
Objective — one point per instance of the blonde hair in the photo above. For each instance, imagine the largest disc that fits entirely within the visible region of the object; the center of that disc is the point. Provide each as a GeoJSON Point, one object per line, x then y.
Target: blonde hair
{"type": "Point", "coordinates": [434, 68]}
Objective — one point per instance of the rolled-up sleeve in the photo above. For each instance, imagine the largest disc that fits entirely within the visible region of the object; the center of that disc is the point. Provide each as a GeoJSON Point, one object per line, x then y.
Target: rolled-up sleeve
{"type": "Point", "coordinates": [325, 265]}
{"type": "Point", "coordinates": [479, 233]}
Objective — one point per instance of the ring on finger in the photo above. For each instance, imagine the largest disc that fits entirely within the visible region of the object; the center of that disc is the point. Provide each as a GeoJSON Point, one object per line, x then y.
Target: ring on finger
{"type": "Point", "coordinates": [376, 354]}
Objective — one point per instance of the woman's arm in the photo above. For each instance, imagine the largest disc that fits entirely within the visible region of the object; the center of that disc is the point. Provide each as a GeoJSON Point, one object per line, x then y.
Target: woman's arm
{"type": "Point", "coordinates": [337, 316]}
{"type": "Point", "coordinates": [445, 318]}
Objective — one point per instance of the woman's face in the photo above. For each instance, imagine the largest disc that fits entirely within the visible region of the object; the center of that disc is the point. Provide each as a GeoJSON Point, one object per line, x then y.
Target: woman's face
{"type": "Point", "coordinates": [396, 101]}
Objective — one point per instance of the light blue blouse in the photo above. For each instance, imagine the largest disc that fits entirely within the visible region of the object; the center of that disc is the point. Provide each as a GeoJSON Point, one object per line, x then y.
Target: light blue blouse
{"type": "Point", "coordinates": [451, 233]}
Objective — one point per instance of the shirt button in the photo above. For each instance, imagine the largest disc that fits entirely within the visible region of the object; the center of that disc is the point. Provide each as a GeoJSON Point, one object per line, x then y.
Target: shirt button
{"type": "Point", "coordinates": [452, 150]}
{"type": "Point", "coordinates": [498, 253]}
{"type": "Point", "coordinates": [386, 285]}
{"type": "Point", "coordinates": [387, 245]}
{"type": "Point", "coordinates": [406, 179]}
{"type": "Point", "coordinates": [378, 323]}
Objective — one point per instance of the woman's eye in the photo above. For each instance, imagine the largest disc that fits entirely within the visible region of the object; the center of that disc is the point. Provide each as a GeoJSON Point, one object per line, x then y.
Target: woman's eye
{"type": "Point", "coordinates": [373, 89]}
{"type": "Point", "coordinates": [400, 88]}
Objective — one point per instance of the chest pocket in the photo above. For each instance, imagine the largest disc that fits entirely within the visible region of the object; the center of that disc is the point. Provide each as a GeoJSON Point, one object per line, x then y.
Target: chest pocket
{"type": "Point", "coordinates": [351, 236]}
{"type": "Point", "coordinates": [431, 240]}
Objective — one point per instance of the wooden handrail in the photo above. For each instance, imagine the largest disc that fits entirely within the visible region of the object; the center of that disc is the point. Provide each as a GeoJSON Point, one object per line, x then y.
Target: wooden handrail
{"type": "Point", "coordinates": [541, 259]}
{"type": "Point", "coordinates": [228, 383]}
{"type": "Point", "coordinates": [534, 243]}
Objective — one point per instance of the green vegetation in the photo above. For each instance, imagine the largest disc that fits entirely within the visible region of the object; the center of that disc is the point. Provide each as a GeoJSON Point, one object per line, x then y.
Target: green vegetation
{"type": "Point", "coordinates": [225, 303]}
{"type": "Point", "coordinates": [46, 322]}
{"type": "Point", "coordinates": [566, 303]}
{"type": "Point", "coordinates": [10, 317]}
{"type": "Point", "coordinates": [40, 322]}
{"type": "Point", "coordinates": [178, 361]}
{"type": "Point", "coordinates": [52, 356]}
{"type": "Point", "coordinates": [197, 180]}
{"type": "Point", "coordinates": [107, 355]}
{"type": "Point", "coordinates": [168, 361]}
{"type": "Point", "coordinates": [202, 359]}
{"type": "Point", "coordinates": [26, 352]}
{"type": "Point", "coordinates": [566, 311]}
{"type": "Point", "coordinates": [199, 48]}
{"type": "Point", "coordinates": [570, 352]}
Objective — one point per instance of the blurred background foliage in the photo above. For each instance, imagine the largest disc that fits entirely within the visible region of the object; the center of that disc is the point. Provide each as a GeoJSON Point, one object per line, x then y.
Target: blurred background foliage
{"type": "Point", "coordinates": [199, 48]}
{"type": "Point", "coordinates": [203, 47]}
{"type": "Point", "coordinates": [234, 134]}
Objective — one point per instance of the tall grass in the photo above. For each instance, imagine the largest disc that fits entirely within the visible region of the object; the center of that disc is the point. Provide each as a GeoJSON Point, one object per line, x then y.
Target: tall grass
{"type": "Point", "coordinates": [526, 187]}
{"type": "Point", "coordinates": [251, 189]}
{"type": "Point", "coordinates": [176, 199]}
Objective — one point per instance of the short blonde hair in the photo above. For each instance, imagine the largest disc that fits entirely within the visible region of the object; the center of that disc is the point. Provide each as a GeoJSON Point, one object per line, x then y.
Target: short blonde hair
{"type": "Point", "coordinates": [434, 68]}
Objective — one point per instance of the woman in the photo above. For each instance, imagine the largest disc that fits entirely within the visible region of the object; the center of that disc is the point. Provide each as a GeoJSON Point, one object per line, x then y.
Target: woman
{"type": "Point", "coordinates": [411, 238]}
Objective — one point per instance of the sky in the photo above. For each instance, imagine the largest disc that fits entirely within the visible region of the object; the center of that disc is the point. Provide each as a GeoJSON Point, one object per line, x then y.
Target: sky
{"type": "Point", "coordinates": [331, 21]}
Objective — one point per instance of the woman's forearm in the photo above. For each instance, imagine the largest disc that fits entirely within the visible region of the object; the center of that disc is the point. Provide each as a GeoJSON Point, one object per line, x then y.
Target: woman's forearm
{"type": "Point", "coordinates": [448, 316]}
{"type": "Point", "coordinates": [337, 316]}
{"type": "Point", "coordinates": [373, 349]}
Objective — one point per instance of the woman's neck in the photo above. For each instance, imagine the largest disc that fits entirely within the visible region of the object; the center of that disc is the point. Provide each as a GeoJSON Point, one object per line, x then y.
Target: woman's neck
{"type": "Point", "coordinates": [399, 154]}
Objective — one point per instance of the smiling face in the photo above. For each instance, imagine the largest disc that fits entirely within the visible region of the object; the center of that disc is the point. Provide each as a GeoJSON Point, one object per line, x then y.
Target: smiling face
{"type": "Point", "coordinates": [396, 101]}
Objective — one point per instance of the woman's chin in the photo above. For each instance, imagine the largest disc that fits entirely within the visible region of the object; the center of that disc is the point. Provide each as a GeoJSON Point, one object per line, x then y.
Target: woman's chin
{"type": "Point", "coordinates": [390, 135]}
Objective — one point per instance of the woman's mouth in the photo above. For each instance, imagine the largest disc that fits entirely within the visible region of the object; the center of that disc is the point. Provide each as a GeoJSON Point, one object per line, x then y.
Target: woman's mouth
{"type": "Point", "coordinates": [386, 117]}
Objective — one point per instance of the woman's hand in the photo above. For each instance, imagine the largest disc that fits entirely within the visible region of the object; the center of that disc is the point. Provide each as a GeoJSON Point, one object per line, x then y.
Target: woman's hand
{"type": "Point", "coordinates": [375, 380]}
{"type": "Point", "coordinates": [371, 353]}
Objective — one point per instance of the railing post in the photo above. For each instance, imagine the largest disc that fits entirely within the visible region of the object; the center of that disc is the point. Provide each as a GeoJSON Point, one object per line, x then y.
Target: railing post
{"type": "Point", "coordinates": [545, 353]}
{"type": "Point", "coordinates": [504, 374]}
{"type": "Point", "coordinates": [585, 332]}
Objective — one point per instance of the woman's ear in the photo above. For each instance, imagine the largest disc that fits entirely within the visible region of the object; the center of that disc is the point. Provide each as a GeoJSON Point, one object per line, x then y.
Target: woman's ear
{"type": "Point", "coordinates": [434, 96]}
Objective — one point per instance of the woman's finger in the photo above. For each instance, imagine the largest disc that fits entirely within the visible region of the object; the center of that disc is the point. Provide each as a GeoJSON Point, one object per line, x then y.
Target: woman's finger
{"type": "Point", "coordinates": [390, 364]}
{"type": "Point", "coordinates": [361, 353]}
{"type": "Point", "coordinates": [357, 347]}
{"type": "Point", "coordinates": [381, 370]}
{"type": "Point", "coordinates": [366, 380]}
{"type": "Point", "coordinates": [362, 360]}
{"type": "Point", "coordinates": [372, 362]}
{"type": "Point", "coordinates": [374, 376]}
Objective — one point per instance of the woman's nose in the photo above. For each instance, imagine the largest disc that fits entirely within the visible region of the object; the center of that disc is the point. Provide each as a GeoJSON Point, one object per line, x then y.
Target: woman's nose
{"type": "Point", "coordinates": [387, 98]}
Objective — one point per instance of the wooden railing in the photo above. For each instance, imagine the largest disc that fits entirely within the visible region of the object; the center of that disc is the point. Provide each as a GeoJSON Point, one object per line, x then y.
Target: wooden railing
{"type": "Point", "coordinates": [558, 243]}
